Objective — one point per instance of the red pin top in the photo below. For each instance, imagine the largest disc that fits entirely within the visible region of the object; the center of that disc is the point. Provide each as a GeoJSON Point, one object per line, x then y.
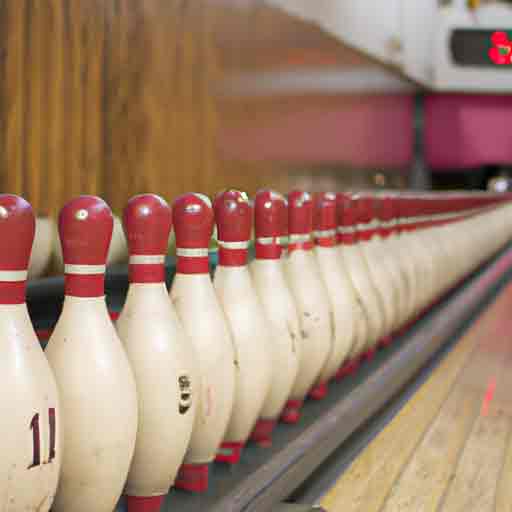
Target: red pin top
{"type": "Point", "coordinates": [192, 216]}
{"type": "Point", "coordinates": [85, 229]}
{"type": "Point", "coordinates": [430, 213]}
{"type": "Point", "coordinates": [412, 212]}
{"type": "Point", "coordinates": [17, 229]}
{"type": "Point", "coordinates": [325, 219]}
{"type": "Point", "coordinates": [363, 204]}
{"type": "Point", "coordinates": [439, 211]}
{"type": "Point", "coordinates": [386, 214]}
{"type": "Point", "coordinates": [270, 223]}
{"type": "Point", "coordinates": [365, 215]}
{"type": "Point", "coordinates": [283, 228]}
{"type": "Point", "coordinates": [345, 210]}
{"type": "Point", "coordinates": [147, 223]}
{"type": "Point", "coordinates": [300, 220]}
{"type": "Point", "coordinates": [300, 212]}
{"type": "Point", "coordinates": [234, 217]}
{"type": "Point", "coordinates": [402, 212]}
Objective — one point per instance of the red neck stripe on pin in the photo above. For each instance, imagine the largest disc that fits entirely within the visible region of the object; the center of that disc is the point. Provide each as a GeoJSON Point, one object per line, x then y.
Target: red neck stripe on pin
{"type": "Point", "coordinates": [268, 248]}
{"type": "Point", "coordinates": [366, 231]}
{"type": "Point", "coordinates": [192, 260]}
{"type": "Point", "coordinates": [13, 286]}
{"type": "Point", "coordinates": [300, 242]}
{"type": "Point", "coordinates": [84, 280]}
{"type": "Point", "coordinates": [325, 238]}
{"type": "Point", "coordinates": [347, 235]}
{"type": "Point", "coordinates": [386, 228]}
{"type": "Point", "coordinates": [146, 268]}
{"type": "Point", "coordinates": [233, 254]}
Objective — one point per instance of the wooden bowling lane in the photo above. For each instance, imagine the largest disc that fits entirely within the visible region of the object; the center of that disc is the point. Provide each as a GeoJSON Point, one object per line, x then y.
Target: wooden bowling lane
{"type": "Point", "coordinates": [450, 447]}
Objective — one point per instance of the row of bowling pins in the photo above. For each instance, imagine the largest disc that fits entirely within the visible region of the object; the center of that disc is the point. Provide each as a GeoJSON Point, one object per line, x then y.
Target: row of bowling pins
{"type": "Point", "coordinates": [195, 377]}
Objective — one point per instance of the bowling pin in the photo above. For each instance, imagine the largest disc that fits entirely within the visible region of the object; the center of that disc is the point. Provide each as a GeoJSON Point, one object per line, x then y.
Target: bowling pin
{"type": "Point", "coordinates": [405, 252]}
{"type": "Point", "coordinates": [204, 322]}
{"type": "Point", "coordinates": [42, 249]}
{"type": "Point", "coordinates": [413, 235]}
{"type": "Point", "coordinates": [30, 426]}
{"type": "Point", "coordinates": [339, 289]}
{"type": "Point", "coordinates": [350, 254]}
{"type": "Point", "coordinates": [95, 380]}
{"type": "Point", "coordinates": [162, 359]}
{"type": "Point", "coordinates": [390, 241]}
{"type": "Point", "coordinates": [381, 274]}
{"type": "Point", "coordinates": [311, 300]}
{"type": "Point", "coordinates": [345, 234]}
{"type": "Point", "coordinates": [392, 272]}
{"type": "Point", "coordinates": [244, 313]}
{"type": "Point", "coordinates": [267, 271]}
{"type": "Point", "coordinates": [382, 295]}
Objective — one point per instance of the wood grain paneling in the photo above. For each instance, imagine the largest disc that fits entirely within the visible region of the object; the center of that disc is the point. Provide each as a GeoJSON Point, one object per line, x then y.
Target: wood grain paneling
{"type": "Point", "coordinates": [3, 116]}
{"type": "Point", "coordinates": [16, 76]}
{"type": "Point", "coordinates": [55, 123]}
{"type": "Point", "coordinates": [118, 97]}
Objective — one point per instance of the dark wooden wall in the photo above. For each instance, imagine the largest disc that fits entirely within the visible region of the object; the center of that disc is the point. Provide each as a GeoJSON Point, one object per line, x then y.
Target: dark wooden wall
{"type": "Point", "coordinates": [109, 97]}
{"type": "Point", "coordinates": [118, 97]}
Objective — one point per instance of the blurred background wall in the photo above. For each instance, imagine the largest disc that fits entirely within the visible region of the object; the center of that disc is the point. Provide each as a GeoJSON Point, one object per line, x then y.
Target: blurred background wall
{"type": "Point", "coordinates": [118, 97]}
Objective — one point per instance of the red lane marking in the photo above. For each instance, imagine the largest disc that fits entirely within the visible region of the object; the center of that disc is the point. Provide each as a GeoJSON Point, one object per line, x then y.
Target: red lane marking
{"type": "Point", "coordinates": [489, 395]}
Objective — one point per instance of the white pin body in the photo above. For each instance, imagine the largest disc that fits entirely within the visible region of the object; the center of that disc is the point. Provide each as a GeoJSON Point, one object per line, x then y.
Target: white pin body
{"type": "Point", "coordinates": [361, 315]}
{"type": "Point", "coordinates": [423, 265]}
{"type": "Point", "coordinates": [367, 293]}
{"type": "Point", "coordinates": [283, 325]}
{"type": "Point", "coordinates": [251, 339]}
{"type": "Point", "coordinates": [314, 312]}
{"type": "Point", "coordinates": [345, 313]}
{"type": "Point", "coordinates": [164, 364]}
{"type": "Point", "coordinates": [42, 248]}
{"type": "Point", "coordinates": [393, 275]}
{"type": "Point", "coordinates": [380, 276]}
{"type": "Point", "coordinates": [205, 325]}
{"type": "Point", "coordinates": [27, 389]}
{"type": "Point", "coordinates": [403, 279]}
{"type": "Point", "coordinates": [438, 259]}
{"type": "Point", "coordinates": [405, 253]}
{"type": "Point", "coordinates": [99, 406]}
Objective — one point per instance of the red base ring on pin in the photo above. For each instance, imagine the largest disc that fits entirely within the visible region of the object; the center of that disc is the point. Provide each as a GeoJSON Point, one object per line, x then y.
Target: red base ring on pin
{"type": "Point", "coordinates": [230, 452]}
{"type": "Point", "coordinates": [369, 354]}
{"type": "Point", "coordinates": [345, 370]}
{"type": "Point", "coordinates": [319, 392]}
{"type": "Point", "coordinates": [386, 341]}
{"type": "Point", "coordinates": [44, 334]}
{"type": "Point", "coordinates": [144, 503]}
{"type": "Point", "coordinates": [291, 411]}
{"type": "Point", "coordinates": [114, 315]}
{"type": "Point", "coordinates": [192, 478]}
{"type": "Point", "coordinates": [356, 363]}
{"type": "Point", "coordinates": [262, 432]}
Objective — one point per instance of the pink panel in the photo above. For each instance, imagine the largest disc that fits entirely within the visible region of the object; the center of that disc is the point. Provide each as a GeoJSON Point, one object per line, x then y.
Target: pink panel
{"type": "Point", "coordinates": [463, 131]}
{"type": "Point", "coordinates": [373, 131]}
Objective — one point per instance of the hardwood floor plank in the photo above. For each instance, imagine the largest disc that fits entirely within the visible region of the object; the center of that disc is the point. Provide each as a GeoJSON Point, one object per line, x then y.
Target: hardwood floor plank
{"type": "Point", "coordinates": [375, 475]}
